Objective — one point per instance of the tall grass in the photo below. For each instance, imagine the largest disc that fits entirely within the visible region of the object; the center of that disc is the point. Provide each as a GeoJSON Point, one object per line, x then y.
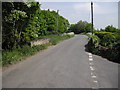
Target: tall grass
{"type": "Point", "coordinates": [18, 54]}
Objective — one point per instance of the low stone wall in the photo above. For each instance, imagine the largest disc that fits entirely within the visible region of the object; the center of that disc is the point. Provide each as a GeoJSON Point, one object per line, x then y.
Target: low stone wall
{"type": "Point", "coordinates": [102, 48]}
{"type": "Point", "coordinates": [70, 33]}
{"type": "Point", "coordinates": [39, 42]}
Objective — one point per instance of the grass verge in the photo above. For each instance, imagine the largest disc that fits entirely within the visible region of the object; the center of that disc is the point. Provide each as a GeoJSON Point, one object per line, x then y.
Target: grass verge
{"type": "Point", "coordinates": [15, 55]}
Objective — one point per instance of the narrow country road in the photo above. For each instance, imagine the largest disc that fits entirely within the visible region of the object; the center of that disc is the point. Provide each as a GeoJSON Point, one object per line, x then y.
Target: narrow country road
{"type": "Point", "coordinates": [66, 65]}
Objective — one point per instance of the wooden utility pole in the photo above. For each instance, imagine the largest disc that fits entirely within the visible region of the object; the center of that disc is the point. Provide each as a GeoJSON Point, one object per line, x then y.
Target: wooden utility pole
{"type": "Point", "coordinates": [92, 16]}
{"type": "Point", "coordinates": [119, 15]}
{"type": "Point", "coordinates": [57, 22]}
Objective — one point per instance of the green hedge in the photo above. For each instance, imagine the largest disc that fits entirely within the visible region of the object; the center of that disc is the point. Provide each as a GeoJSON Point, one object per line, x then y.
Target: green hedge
{"type": "Point", "coordinates": [110, 43]}
{"type": "Point", "coordinates": [10, 57]}
{"type": "Point", "coordinates": [94, 39]}
{"type": "Point", "coordinates": [107, 39]}
{"type": "Point", "coordinates": [18, 54]}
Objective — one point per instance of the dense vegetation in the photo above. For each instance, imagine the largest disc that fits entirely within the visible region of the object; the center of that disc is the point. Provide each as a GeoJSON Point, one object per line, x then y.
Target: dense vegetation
{"type": "Point", "coordinates": [81, 27]}
{"type": "Point", "coordinates": [18, 54]}
{"type": "Point", "coordinates": [24, 22]}
{"type": "Point", "coordinates": [106, 42]}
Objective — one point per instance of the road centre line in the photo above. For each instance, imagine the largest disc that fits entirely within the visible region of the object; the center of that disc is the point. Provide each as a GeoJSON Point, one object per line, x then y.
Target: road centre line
{"type": "Point", "coordinates": [92, 68]}
{"type": "Point", "coordinates": [95, 81]}
{"type": "Point", "coordinates": [90, 56]}
{"type": "Point", "coordinates": [90, 59]}
{"type": "Point", "coordinates": [93, 75]}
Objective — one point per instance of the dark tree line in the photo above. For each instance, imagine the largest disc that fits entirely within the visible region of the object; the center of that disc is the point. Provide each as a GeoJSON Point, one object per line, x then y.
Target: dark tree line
{"type": "Point", "coordinates": [23, 22]}
{"type": "Point", "coordinates": [81, 27]}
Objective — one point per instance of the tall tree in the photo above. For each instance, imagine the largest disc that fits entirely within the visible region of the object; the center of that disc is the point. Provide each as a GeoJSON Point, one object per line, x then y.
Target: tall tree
{"type": "Point", "coordinates": [81, 27]}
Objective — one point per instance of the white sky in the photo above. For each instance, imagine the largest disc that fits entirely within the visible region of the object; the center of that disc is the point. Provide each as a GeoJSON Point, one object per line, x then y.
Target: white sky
{"type": "Point", "coordinates": [105, 13]}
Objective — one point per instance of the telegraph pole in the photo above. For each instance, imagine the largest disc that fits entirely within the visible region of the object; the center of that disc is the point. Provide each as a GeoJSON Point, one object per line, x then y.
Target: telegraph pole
{"type": "Point", "coordinates": [92, 16]}
{"type": "Point", "coordinates": [57, 22]}
{"type": "Point", "coordinates": [119, 15]}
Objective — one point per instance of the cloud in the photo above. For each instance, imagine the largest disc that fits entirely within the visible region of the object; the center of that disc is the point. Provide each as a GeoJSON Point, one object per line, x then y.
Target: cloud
{"type": "Point", "coordinates": [82, 7]}
{"type": "Point", "coordinates": [77, 0]}
{"type": "Point", "coordinates": [100, 9]}
{"type": "Point", "coordinates": [104, 13]}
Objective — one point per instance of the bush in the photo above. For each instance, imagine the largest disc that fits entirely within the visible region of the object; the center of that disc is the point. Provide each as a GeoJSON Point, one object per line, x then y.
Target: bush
{"type": "Point", "coordinates": [10, 57]}
{"type": "Point", "coordinates": [107, 39]}
{"type": "Point", "coordinates": [40, 47]}
{"type": "Point", "coordinates": [57, 38]}
{"type": "Point", "coordinates": [108, 46]}
{"type": "Point", "coordinates": [26, 50]}
{"type": "Point", "coordinates": [94, 39]}
{"type": "Point", "coordinates": [91, 47]}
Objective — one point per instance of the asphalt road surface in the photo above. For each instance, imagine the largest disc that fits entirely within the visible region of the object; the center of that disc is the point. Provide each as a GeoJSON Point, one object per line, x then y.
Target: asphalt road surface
{"type": "Point", "coordinates": [66, 65]}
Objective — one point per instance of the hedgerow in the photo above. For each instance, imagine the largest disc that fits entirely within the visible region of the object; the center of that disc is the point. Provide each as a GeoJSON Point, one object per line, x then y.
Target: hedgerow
{"type": "Point", "coordinates": [108, 44]}
{"type": "Point", "coordinates": [18, 54]}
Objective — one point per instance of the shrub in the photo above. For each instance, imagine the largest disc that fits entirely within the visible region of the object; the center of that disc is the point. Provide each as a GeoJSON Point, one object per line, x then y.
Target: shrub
{"type": "Point", "coordinates": [109, 45]}
{"type": "Point", "coordinates": [107, 39]}
{"type": "Point", "coordinates": [9, 57]}
{"type": "Point", "coordinates": [57, 38]}
{"type": "Point", "coordinates": [94, 39]}
{"type": "Point", "coordinates": [26, 50]}
{"type": "Point", "coordinates": [40, 47]}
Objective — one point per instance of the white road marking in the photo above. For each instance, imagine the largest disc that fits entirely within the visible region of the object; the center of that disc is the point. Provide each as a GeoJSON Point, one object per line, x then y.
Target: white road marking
{"type": "Point", "coordinates": [90, 56]}
{"type": "Point", "coordinates": [95, 81]}
{"type": "Point", "coordinates": [93, 75]}
{"type": "Point", "coordinates": [92, 68]}
{"type": "Point", "coordinates": [90, 59]}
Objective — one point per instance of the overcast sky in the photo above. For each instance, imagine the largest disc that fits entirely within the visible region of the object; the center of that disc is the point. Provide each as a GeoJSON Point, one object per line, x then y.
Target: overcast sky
{"type": "Point", "coordinates": [105, 13]}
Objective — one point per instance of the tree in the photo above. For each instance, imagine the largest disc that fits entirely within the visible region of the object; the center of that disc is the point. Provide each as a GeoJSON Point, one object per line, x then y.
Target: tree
{"type": "Point", "coordinates": [81, 27]}
{"type": "Point", "coordinates": [25, 21]}
{"type": "Point", "coordinates": [12, 17]}
{"type": "Point", "coordinates": [110, 29]}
